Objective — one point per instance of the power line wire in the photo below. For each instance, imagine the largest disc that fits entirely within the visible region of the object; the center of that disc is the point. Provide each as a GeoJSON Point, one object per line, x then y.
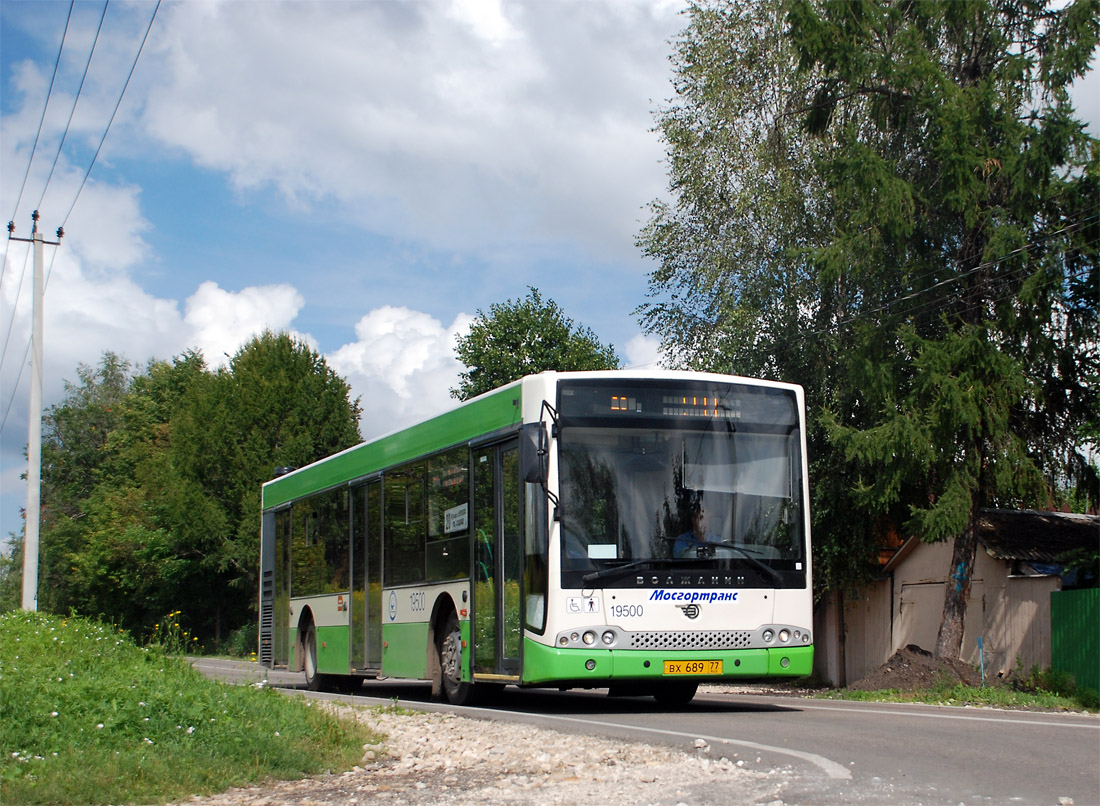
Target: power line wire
{"type": "Point", "coordinates": [962, 275]}
{"type": "Point", "coordinates": [87, 173]}
{"type": "Point", "coordinates": [925, 303]}
{"type": "Point", "coordinates": [38, 134]}
{"type": "Point", "coordinates": [76, 100]}
{"type": "Point", "coordinates": [115, 112]}
{"type": "Point", "coordinates": [11, 322]}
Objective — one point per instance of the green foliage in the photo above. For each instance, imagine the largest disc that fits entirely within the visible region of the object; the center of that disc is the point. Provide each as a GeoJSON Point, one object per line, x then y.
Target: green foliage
{"type": "Point", "coordinates": [171, 637]}
{"type": "Point", "coordinates": [1054, 683]}
{"type": "Point", "coordinates": [946, 693]}
{"type": "Point", "coordinates": [893, 205]}
{"type": "Point", "coordinates": [11, 574]}
{"type": "Point", "coordinates": [151, 481]}
{"type": "Point", "coordinates": [1086, 564]}
{"type": "Point", "coordinates": [242, 642]}
{"type": "Point", "coordinates": [88, 717]}
{"type": "Point", "coordinates": [522, 337]}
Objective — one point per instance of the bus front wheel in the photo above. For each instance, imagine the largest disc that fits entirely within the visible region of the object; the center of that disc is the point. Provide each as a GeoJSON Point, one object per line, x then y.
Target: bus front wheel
{"type": "Point", "coordinates": [457, 691]}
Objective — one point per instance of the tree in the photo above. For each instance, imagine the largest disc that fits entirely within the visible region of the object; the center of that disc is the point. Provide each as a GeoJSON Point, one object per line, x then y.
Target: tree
{"type": "Point", "coordinates": [733, 290]}
{"type": "Point", "coordinates": [521, 337]}
{"type": "Point", "coordinates": [151, 480]}
{"type": "Point", "coordinates": [949, 251]}
{"type": "Point", "coordinates": [964, 181]}
{"type": "Point", "coordinates": [11, 573]}
{"type": "Point", "coordinates": [78, 453]}
{"type": "Point", "coordinates": [276, 404]}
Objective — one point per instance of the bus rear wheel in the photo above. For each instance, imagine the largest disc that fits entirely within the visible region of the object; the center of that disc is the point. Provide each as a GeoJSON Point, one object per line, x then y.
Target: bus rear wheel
{"type": "Point", "coordinates": [315, 681]}
{"type": "Point", "coordinates": [457, 691]}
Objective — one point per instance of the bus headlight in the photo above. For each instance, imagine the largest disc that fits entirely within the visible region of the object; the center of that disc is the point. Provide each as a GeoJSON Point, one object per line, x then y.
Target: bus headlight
{"type": "Point", "coordinates": [608, 637]}
{"type": "Point", "coordinates": [768, 636]}
{"type": "Point", "coordinates": [784, 636]}
{"type": "Point", "coordinates": [589, 637]}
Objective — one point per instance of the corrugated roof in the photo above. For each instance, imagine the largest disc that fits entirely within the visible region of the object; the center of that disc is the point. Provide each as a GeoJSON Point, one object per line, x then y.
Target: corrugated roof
{"type": "Point", "coordinates": [1036, 536]}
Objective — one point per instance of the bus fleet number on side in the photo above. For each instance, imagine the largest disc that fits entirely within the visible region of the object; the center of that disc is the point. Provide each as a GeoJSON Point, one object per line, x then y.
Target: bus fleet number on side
{"type": "Point", "coordinates": [627, 611]}
{"type": "Point", "coordinates": [416, 601]}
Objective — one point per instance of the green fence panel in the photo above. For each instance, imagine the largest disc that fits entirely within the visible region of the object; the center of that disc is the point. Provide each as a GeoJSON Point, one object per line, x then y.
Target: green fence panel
{"type": "Point", "coordinates": [1075, 635]}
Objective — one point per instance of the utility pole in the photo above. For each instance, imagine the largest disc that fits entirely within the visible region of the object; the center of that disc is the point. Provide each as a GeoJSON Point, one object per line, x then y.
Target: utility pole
{"type": "Point", "coordinates": [34, 427]}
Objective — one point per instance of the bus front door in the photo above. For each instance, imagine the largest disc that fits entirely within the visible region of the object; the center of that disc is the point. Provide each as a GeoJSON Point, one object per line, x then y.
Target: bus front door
{"type": "Point", "coordinates": [498, 562]}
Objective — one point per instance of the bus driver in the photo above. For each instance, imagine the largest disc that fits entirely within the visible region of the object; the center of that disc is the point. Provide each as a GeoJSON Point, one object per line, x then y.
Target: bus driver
{"type": "Point", "coordinates": [691, 540]}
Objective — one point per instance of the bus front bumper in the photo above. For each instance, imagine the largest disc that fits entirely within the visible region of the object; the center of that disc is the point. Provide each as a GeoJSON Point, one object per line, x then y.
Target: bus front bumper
{"type": "Point", "coordinates": [599, 667]}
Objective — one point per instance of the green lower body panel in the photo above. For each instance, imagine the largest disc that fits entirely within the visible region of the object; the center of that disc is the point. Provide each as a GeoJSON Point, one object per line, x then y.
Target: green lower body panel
{"type": "Point", "coordinates": [405, 650]}
{"type": "Point", "coordinates": [332, 650]}
{"type": "Point", "coordinates": [545, 664]}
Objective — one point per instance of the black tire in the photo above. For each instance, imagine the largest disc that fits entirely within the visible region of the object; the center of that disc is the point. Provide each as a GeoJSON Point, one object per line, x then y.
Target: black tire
{"type": "Point", "coordinates": [315, 681]}
{"type": "Point", "coordinates": [449, 647]}
{"type": "Point", "coordinates": [675, 695]}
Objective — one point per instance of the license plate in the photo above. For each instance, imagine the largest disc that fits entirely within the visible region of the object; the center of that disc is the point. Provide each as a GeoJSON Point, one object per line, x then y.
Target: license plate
{"type": "Point", "coordinates": [693, 667]}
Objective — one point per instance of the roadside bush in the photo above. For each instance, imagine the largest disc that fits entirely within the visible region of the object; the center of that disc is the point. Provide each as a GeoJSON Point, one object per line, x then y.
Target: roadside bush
{"type": "Point", "coordinates": [1051, 681]}
{"type": "Point", "coordinates": [242, 642]}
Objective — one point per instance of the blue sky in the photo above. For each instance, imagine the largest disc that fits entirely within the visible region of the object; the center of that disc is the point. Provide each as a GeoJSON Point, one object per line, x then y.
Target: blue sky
{"type": "Point", "coordinates": [364, 174]}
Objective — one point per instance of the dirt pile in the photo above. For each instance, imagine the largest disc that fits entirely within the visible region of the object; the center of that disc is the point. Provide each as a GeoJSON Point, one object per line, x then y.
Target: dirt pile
{"type": "Point", "coordinates": [913, 668]}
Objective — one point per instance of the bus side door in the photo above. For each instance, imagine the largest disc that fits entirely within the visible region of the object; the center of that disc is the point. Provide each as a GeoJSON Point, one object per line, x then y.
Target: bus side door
{"type": "Point", "coordinates": [498, 560]}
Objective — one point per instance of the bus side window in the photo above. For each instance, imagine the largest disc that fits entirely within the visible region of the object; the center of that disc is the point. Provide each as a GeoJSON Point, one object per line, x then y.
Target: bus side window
{"type": "Point", "coordinates": [448, 553]}
{"type": "Point", "coordinates": [405, 527]}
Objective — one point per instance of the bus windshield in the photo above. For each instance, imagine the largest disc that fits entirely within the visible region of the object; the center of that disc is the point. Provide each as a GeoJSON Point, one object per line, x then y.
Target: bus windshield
{"type": "Point", "coordinates": [661, 493]}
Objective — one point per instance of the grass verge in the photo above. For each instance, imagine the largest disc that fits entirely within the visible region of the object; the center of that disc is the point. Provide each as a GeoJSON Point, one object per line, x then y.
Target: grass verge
{"type": "Point", "coordinates": [956, 694]}
{"type": "Point", "coordinates": [89, 717]}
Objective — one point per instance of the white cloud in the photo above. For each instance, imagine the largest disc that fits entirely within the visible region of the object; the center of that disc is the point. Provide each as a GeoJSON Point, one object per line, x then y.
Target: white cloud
{"type": "Point", "coordinates": [643, 352]}
{"type": "Point", "coordinates": [219, 322]}
{"type": "Point", "coordinates": [485, 17]}
{"type": "Point", "coordinates": [88, 312]}
{"type": "Point", "coordinates": [84, 313]}
{"type": "Point", "coordinates": [466, 124]}
{"type": "Point", "coordinates": [402, 365]}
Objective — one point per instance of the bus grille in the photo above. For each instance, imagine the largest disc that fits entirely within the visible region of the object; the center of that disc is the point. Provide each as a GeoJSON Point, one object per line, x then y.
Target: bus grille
{"type": "Point", "coordinates": [702, 639]}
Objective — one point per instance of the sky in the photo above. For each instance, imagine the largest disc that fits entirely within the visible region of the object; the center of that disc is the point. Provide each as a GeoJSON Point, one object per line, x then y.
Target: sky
{"type": "Point", "coordinates": [366, 174]}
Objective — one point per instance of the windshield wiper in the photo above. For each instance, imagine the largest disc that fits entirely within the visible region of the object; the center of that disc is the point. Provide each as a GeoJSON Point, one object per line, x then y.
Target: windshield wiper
{"type": "Point", "coordinates": [617, 570]}
{"type": "Point", "coordinates": [746, 554]}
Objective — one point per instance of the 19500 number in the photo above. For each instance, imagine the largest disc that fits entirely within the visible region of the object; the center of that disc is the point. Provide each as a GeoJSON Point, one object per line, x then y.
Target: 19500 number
{"type": "Point", "coordinates": [627, 611]}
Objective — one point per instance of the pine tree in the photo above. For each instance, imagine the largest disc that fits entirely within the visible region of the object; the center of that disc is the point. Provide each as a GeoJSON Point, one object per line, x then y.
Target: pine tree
{"type": "Point", "coordinates": [944, 249]}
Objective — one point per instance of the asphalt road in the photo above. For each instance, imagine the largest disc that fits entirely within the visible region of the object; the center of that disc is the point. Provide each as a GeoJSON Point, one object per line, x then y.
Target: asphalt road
{"type": "Point", "coordinates": [839, 752]}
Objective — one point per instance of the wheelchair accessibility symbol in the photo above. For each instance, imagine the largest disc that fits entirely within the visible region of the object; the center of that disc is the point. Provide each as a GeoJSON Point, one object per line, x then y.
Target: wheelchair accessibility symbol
{"type": "Point", "coordinates": [583, 604]}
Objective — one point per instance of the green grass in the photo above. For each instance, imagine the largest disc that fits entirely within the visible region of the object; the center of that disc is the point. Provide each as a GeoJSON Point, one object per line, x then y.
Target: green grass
{"type": "Point", "coordinates": [89, 717]}
{"type": "Point", "coordinates": [993, 697]}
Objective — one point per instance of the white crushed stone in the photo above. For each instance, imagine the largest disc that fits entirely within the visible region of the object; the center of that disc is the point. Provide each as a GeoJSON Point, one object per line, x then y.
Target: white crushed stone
{"type": "Point", "coordinates": [430, 758]}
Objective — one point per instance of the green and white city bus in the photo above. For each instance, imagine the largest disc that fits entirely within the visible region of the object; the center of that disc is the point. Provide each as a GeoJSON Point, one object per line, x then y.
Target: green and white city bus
{"type": "Point", "coordinates": [636, 531]}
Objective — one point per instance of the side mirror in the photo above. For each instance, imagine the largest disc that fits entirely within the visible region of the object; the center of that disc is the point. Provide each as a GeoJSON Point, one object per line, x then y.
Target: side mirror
{"type": "Point", "coordinates": [533, 452]}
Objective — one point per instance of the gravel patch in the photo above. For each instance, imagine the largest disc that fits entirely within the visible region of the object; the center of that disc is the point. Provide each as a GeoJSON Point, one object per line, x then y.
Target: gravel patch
{"type": "Point", "coordinates": [430, 758]}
